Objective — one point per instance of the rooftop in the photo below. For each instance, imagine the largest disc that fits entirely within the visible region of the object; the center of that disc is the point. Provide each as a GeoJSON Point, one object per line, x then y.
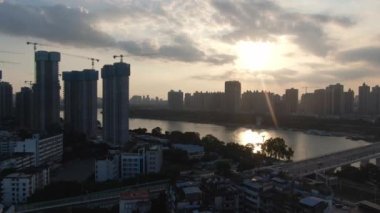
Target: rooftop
{"type": "Point", "coordinates": [134, 195]}
{"type": "Point", "coordinates": [311, 201]}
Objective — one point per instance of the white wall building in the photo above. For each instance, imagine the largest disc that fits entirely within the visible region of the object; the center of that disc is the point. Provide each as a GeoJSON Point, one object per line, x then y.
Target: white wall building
{"type": "Point", "coordinates": [107, 169]}
{"type": "Point", "coordinates": [17, 187]}
{"type": "Point", "coordinates": [135, 201]}
{"type": "Point", "coordinates": [45, 151]}
{"type": "Point", "coordinates": [126, 165]}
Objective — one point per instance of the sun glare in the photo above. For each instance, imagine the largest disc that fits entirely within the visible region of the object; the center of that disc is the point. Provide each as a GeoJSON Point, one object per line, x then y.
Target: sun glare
{"type": "Point", "coordinates": [254, 55]}
{"type": "Point", "coordinates": [249, 137]}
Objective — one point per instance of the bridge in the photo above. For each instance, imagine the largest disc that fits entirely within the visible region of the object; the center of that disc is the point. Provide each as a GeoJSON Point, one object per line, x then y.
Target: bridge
{"type": "Point", "coordinates": [102, 197]}
{"type": "Point", "coordinates": [331, 161]}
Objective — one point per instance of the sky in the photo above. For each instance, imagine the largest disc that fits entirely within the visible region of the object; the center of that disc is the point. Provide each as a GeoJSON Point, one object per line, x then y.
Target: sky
{"type": "Point", "coordinates": [196, 45]}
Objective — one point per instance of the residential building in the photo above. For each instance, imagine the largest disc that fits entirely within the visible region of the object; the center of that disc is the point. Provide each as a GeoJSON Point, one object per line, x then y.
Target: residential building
{"type": "Point", "coordinates": [24, 108]}
{"type": "Point", "coordinates": [193, 151]}
{"type": "Point", "coordinates": [334, 100]}
{"type": "Point", "coordinates": [116, 103]}
{"type": "Point", "coordinates": [349, 98]}
{"type": "Point", "coordinates": [135, 201]}
{"type": "Point", "coordinates": [17, 161]}
{"type": "Point", "coordinates": [252, 190]}
{"type": "Point", "coordinates": [307, 103]}
{"type": "Point", "coordinates": [80, 102]}
{"type": "Point", "coordinates": [18, 187]}
{"type": "Point", "coordinates": [46, 100]}
{"type": "Point", "coordinates": [129, 164]}
{"type": "Point", "coordinates": [375, 100]}
{"type": "Point", "coordinates": [320, 101]}
{"type": "Point", "coordinates": [291, 100]}
{"type": "Point", "coordinates": [107, 168]}
{"type": "Point", "coordinates": [364, 99]}
{"type": "Point", "coordinates": [175, 100]}
{"type": "Point", "coordinates": [232, 96]}
{"type": "Point", "coordinates": [6, 100]}
{"type": "Point", "coordinates": [47, 150]}
{"type": "Point", "coordinates": [221, 194]}
{"type": "Point", "coordinates": [145, 160]}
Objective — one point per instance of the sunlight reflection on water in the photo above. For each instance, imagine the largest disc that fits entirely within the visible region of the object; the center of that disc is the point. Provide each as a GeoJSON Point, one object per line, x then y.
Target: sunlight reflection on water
{"type": "Point", "coordinates": [249, 137]}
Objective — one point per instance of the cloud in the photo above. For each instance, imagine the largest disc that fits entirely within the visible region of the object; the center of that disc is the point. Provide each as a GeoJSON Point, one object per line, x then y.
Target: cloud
{"type": "Point", "coordinates": [54, 23]}
{"type": "Point", "coordinates": [278, 76]}
{"type": "Point", "coordinates": [322, 77]}
{"type": "Point", "coordinates": [264, 20]}
{"type": "Point", "coordinates": [181, 49]}
{"type": "Point", "coordinates": [368, 54]}
{"type": "Point", "coordinates": [77, 27]}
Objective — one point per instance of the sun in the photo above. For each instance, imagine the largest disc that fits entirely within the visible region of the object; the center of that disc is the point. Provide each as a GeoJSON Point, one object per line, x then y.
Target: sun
{"type": "Point", "coordinates": [254, 55]}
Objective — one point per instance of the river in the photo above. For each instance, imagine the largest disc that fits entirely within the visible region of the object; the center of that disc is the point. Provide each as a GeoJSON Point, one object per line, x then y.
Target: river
{"type": "Point", "coordinates": [304, 145]}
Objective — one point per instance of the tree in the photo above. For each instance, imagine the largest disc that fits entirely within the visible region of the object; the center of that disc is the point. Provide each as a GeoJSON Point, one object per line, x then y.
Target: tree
{"type": "Point", "coordinates": [223, 168]}
{"type": "Point", "coordinates": [277, 148]}
{"type": "Point", "coordinates": [157, 131]}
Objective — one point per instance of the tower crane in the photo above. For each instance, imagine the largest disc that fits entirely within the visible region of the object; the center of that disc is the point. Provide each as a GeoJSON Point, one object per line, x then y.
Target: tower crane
{"type": "Point", "coordinates": [308, 88]}
{"type": "Point", "coordinates": [35, 44]}
{"type": "Point", "coordinates": [29, 82]}
{"type": "Point", "coordinates": [93, 60]}
{"type": "Point", "coordinates": [120, 56]}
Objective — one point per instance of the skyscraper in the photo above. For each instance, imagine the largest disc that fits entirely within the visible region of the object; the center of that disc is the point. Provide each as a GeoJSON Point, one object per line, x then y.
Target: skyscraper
{"type": "Point", "coordinates": [349, 97]}
{"type": "Point", "coordinates": [334, 99]}
{"type": "Point", "coordinates": [375, 100]}
{"type": "Point", "coordinates": [116, 103]}
{"type": "Point", "coordinates": [46, 92]}
{"type": "Point", "coordinates": [80, 101]}
{"type": "Point", "coordinates": [291, 100]}
{"type": "Point", "coordinates": [24, 110]}
{"type": "Point", "coordinates": [232, 96]}
{"type": "Point", "coordinates": [6, 97]}
{"type": "Point", "coordinates": [364, 99]}
{"type": "Point", "coordinates": [320, 101]}
{"type": "Point", "coordinates": [175, 100]}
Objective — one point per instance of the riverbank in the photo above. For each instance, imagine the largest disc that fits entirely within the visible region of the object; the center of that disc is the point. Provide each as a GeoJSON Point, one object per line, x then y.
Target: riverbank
{"type": "Point", "coordinates": [351, 129]}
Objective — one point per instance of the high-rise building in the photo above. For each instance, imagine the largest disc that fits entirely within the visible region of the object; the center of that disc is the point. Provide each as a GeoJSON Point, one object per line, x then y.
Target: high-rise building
{"type": "Point", "coordinates": [307, 103]}
{"type": "Point", "coordinates": [6, 100]}
{"type": "Point", "coordinates": [375, 100]}
{"type": "Point", "coordinates": [232, 96]}
{"type": "Point", "coordinates": [291, 100]}
{"type": "Point", "coordinates": [349, 97]}
{"type": "Point", "coordinates": [24, 110]}
{"type": "Point", "coordinates": [319, 101]}
{"type": "Point", "coordinates": [80, 101]}
{"type": "Point", "coordinates": [175, 100]}
{"type": "Point", "coordinates": [364, 99]}
{"type": "Point", "coordinates": [46, 101]}
{"type": "Point", "coordinates": [334, 100]}
{"type": "Point", "coordinates": [116, 103]}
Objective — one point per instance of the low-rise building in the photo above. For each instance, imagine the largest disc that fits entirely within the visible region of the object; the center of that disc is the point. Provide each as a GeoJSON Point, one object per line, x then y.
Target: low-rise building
{"type": "Point", "coordinates": [107, 168]}
{"type": "Point", "coordinates": [17, 187]}
{"type": "Point", "coordinates": [193, 151]}
{"type": "Point", "coordinates": [17, 161]}
{"type": "Point", "coordinates": [45, 150]}
{"type": "Point", "coordinates": [135, 201]}
{"type": "Point", "coordinates": [124, 165]}
{"type": "Point", "coordinates": [220, 194]}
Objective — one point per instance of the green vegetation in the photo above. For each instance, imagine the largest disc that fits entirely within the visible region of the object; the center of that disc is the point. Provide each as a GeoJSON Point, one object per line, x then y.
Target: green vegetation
{"type": "Point", "coordinates": [277, 148]}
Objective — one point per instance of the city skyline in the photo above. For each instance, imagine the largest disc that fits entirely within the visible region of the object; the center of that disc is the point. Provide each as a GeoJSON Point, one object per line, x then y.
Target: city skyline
{"type": "Point", "coordinates": [296, 43]}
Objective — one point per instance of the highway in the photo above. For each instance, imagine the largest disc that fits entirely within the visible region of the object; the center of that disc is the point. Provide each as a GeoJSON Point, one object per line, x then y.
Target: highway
{"type": "Point", "coordinates": [97, 197]}
{"type": "Point", "coordinates": [330, 161]}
